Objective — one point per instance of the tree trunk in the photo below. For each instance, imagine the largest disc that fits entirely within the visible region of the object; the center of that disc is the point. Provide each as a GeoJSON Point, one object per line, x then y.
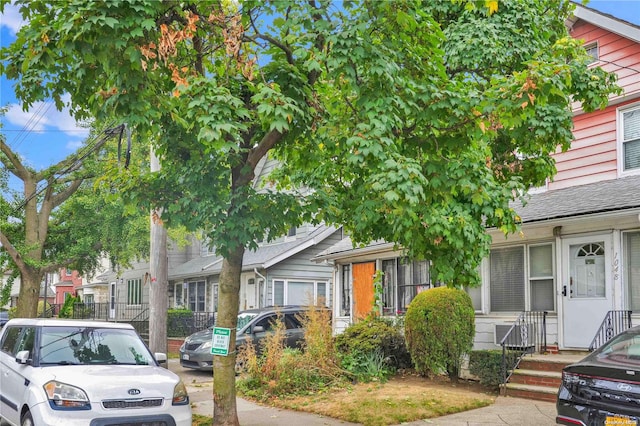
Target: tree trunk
{"type": "Point", "coordinates": [30, 283]}
{"type": "Point", "coordinates": [224, 376]}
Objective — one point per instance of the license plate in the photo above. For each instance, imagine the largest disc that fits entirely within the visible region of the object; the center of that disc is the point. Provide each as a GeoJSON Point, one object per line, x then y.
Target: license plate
{"type": "Point", "coordinates": [185, 357]}
{"type": "Point", "coordinates": [620, 421]}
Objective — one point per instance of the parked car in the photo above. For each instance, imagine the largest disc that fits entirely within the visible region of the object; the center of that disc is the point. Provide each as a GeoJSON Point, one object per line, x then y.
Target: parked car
{"type": "Point", "coordinates": [253, 324]}
{"type": "Point", "coordinates": [604, 387]}
{"type": "Point", "coordinates": [4, 317]}
{"type": "Point", "coordinates": [78, 372]}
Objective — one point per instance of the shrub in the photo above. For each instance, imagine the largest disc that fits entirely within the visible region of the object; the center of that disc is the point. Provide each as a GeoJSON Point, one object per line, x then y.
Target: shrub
{"type": "Point", "coordinates": [439, 329]}
{"type": "Point", "coordinates": [66, 311]}
{"type": "Point", "coordinates": [280, 371]}
{"type": "Point", "coordinates": [487, 366]}
{"type": "Point", "coordinates": [179, 322]}
{"type": "Point", "coordinates": [364, 344]}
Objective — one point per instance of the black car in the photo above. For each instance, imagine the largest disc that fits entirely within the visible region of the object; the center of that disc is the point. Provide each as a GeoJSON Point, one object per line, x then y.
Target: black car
{"type": "Point", "coordinates": [253, 325]}
{"type": "Point", "coordinates": [604, 387]}
{"type": "Point", "coordinates": [4, 317]}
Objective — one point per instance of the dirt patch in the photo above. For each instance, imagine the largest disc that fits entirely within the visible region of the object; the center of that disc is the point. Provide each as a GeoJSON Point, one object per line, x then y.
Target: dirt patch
{"type": "Point", "coordinates": [404, 398]}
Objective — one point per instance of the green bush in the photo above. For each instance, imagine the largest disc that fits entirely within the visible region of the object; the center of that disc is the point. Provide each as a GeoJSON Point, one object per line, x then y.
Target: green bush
{"type": "Point", "coordinates": [487, 366]}
{"type": "Point", "coordinates": [373, 347]}
{"type": "Point", "coordinates": [179, 322]}
{"type": "Point", "coordinates": [66, 311]}
{"type": "Point", "coordinates": [439, 330]}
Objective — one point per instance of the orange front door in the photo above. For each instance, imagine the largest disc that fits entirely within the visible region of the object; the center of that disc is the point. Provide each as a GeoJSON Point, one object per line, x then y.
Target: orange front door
{"type": "Point", "coordinates": [363, 274]}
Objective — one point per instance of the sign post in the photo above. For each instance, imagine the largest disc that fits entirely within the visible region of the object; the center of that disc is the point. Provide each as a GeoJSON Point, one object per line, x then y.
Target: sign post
{"type": "Point", "coordinates": [220, 343]}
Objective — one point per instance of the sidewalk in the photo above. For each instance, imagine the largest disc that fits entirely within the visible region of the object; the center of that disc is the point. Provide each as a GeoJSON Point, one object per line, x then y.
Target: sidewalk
{"type": "Point", "coordinates": [505, 411]}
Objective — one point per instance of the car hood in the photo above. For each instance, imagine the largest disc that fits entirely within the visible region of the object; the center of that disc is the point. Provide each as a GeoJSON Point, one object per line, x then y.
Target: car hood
{"type": "Point", "coordinates": [200, 336]}
{"type": "Point", "coordinates": [102, 382]}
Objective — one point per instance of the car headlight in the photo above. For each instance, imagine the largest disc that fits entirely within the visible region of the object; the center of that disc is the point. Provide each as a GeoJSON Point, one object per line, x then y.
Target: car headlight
{"type": "Point", "coordinates": [182, 346]}
{"type": "Point", "coordinates": [205, 346]}
{"type": "Point", "coordinates": [62, 396]}
{"type": "Point", "coordinates": [180, 395]}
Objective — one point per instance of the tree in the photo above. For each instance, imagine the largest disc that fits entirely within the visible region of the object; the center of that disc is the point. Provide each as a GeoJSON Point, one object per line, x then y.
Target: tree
{"type": "Point", "coordinates": [60, 220]}
{"type": "Point", "coordinates": [373, 105]}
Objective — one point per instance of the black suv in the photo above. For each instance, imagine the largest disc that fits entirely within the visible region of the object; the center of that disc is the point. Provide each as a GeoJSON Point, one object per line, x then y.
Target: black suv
{"type": "Point", "coordinates": [254, 325]}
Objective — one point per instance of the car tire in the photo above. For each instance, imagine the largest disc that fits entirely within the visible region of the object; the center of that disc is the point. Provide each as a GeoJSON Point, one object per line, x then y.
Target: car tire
{"type": "Point", "coordinates": [26, 419]}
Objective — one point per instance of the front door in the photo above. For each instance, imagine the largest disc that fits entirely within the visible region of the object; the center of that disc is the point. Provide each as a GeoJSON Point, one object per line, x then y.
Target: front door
{"type": "Point", "coordinates": [586, 288]}
{"type": "Point", "coordinates": [363, 276]}
{"type": "Point", "coordinates": [112, 300]}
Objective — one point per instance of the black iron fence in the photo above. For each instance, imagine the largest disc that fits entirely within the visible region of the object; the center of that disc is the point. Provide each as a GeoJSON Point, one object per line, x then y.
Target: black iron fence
{"type": "Point", "coordinates": [180, 323]}
{"type": "Point", "coordinates": [614, 322]}
{"type": "Point", "coordinates": [527, 335]}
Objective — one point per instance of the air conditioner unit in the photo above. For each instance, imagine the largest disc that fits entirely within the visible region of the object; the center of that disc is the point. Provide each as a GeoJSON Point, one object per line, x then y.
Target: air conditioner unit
{"type": "Point", "coordinates": [523, 336]}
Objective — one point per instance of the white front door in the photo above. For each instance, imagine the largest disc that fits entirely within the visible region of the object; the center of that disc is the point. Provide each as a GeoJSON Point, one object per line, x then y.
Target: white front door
{"type": "Point", "coordinates": [586, 288]}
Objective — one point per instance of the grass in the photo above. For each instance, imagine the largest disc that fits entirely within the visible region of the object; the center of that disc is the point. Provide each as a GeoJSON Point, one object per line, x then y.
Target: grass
{"type": "Point", "coordinates": [404, 398]}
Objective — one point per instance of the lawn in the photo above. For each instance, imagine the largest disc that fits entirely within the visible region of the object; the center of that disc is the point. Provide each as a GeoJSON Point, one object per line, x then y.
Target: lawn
{"type": "Point", "coordinates": [404, 398]}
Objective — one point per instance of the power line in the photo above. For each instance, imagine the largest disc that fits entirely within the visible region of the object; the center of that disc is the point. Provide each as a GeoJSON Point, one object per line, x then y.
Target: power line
{"type": "Point", "coordinates": [107, 134]}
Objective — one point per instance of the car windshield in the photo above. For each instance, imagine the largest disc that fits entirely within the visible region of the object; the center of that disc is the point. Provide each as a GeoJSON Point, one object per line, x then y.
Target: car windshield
{"type": "Point", "coordinates": [243, 319]}
{"type": "Point", "coordinates": [624, 348]}
{"type": "Point", "coordinates": [90, 345]}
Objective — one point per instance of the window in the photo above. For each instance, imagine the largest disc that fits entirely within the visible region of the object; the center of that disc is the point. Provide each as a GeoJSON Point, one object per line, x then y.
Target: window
{"type": "Point", "coordinates": [517, 285]}
{"type": "Point", "coordinates": [345, 302]}
{"type": "Point", "coordinates": [630, 139]}
{"type": "Point", "coordinates": [593, 51]}
{"type": "Point", "coordinates": [196, 296]}
{"type": "Point", "coordinates": [541, 277]}
{"type": "Point", "coordinates": [631, 268]}
{"type": "Point", "coordinates": [134, 291]}
{"type": "Point", "coordinates": [402, 280]}
{"type": "Point", "coordinates": [292, 232]}
{"type": "Point", "coordinates": [287, 292]}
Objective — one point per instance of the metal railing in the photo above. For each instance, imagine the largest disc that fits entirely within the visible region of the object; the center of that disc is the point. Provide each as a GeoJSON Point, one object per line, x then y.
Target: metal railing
{"type": "Point", "coordinates": [181, 325]}
{"type": "Point", "coordinates": [527, 335]}
{"type": "Point", "coordinates": [614, 322]}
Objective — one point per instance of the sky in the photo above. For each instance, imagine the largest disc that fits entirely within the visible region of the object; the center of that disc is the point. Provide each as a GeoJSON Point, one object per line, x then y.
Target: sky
{"type": "Point", "coordinates": [43, 136]}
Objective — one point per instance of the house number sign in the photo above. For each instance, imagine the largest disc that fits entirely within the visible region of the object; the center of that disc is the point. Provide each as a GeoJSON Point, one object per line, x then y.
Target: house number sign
{"type": "Point", "coordinates": [220, 341]}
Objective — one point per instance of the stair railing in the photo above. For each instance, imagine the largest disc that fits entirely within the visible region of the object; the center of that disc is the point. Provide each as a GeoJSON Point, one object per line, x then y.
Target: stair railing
{"type": "Point", "coordinates": [614, 322]}
{"type": "Point", "coordinates": [527, 335]}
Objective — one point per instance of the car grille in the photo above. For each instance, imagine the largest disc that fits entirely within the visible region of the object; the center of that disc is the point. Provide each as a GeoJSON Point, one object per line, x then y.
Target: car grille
{"type": "Point", "coordinates": [131, 403]}
{"type": "Point", "coordinates": [192, 346]}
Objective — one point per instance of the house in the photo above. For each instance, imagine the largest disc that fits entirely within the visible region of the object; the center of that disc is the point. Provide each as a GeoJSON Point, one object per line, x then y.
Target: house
{"type": "Point", "coordinates": [276, 273]}
{"type": "Point", "coordinates": [578, 257]}
{"type": "Point", "coordinates": [68, 283]}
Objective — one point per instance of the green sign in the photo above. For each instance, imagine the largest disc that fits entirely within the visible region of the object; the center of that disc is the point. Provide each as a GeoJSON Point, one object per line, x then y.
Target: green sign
{"type": "Point", "coordinates": [220, 341]}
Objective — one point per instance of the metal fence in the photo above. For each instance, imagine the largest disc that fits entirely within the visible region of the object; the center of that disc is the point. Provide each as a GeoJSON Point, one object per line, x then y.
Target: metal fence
{"type": "Point", "coordinates": [180, 323]}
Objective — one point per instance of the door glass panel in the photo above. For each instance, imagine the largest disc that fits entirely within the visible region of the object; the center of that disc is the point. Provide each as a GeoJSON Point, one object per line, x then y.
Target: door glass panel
{"type": "Point", "coordinates": [587, 270]}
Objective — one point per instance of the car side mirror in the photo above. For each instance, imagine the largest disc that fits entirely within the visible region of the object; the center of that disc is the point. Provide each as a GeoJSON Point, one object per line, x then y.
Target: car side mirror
{"type": "Point", "coordinates": [160, 357]}
{"type": "Point", "coordinates": [258, 329]}
{"type": "Point", "coordinates": [22, 357]}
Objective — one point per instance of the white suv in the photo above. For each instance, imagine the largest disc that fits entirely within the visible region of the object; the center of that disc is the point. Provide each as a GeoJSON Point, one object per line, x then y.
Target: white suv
{"type": "Point", "coordinates": [89, 373]}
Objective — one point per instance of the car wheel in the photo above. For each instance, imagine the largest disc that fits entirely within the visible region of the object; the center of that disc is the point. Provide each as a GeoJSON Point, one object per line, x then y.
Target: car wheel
{"type": "Point", "coordinates": [26, 419]}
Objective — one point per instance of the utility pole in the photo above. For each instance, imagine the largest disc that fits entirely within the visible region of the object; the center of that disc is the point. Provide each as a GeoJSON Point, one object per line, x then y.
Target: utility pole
{"type": "Point", "coordinates": [159, 280]}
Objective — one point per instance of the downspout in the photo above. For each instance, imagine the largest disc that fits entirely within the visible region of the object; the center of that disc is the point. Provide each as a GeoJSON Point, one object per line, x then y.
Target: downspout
{"type": "Point", "coordinates": [264, 279]}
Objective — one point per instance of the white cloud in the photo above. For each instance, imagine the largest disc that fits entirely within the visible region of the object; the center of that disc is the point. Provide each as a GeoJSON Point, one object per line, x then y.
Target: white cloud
{"type": "Point", "coordinates": [42, 117]}
{"type": "Point", "coordinates": [11, 18]}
